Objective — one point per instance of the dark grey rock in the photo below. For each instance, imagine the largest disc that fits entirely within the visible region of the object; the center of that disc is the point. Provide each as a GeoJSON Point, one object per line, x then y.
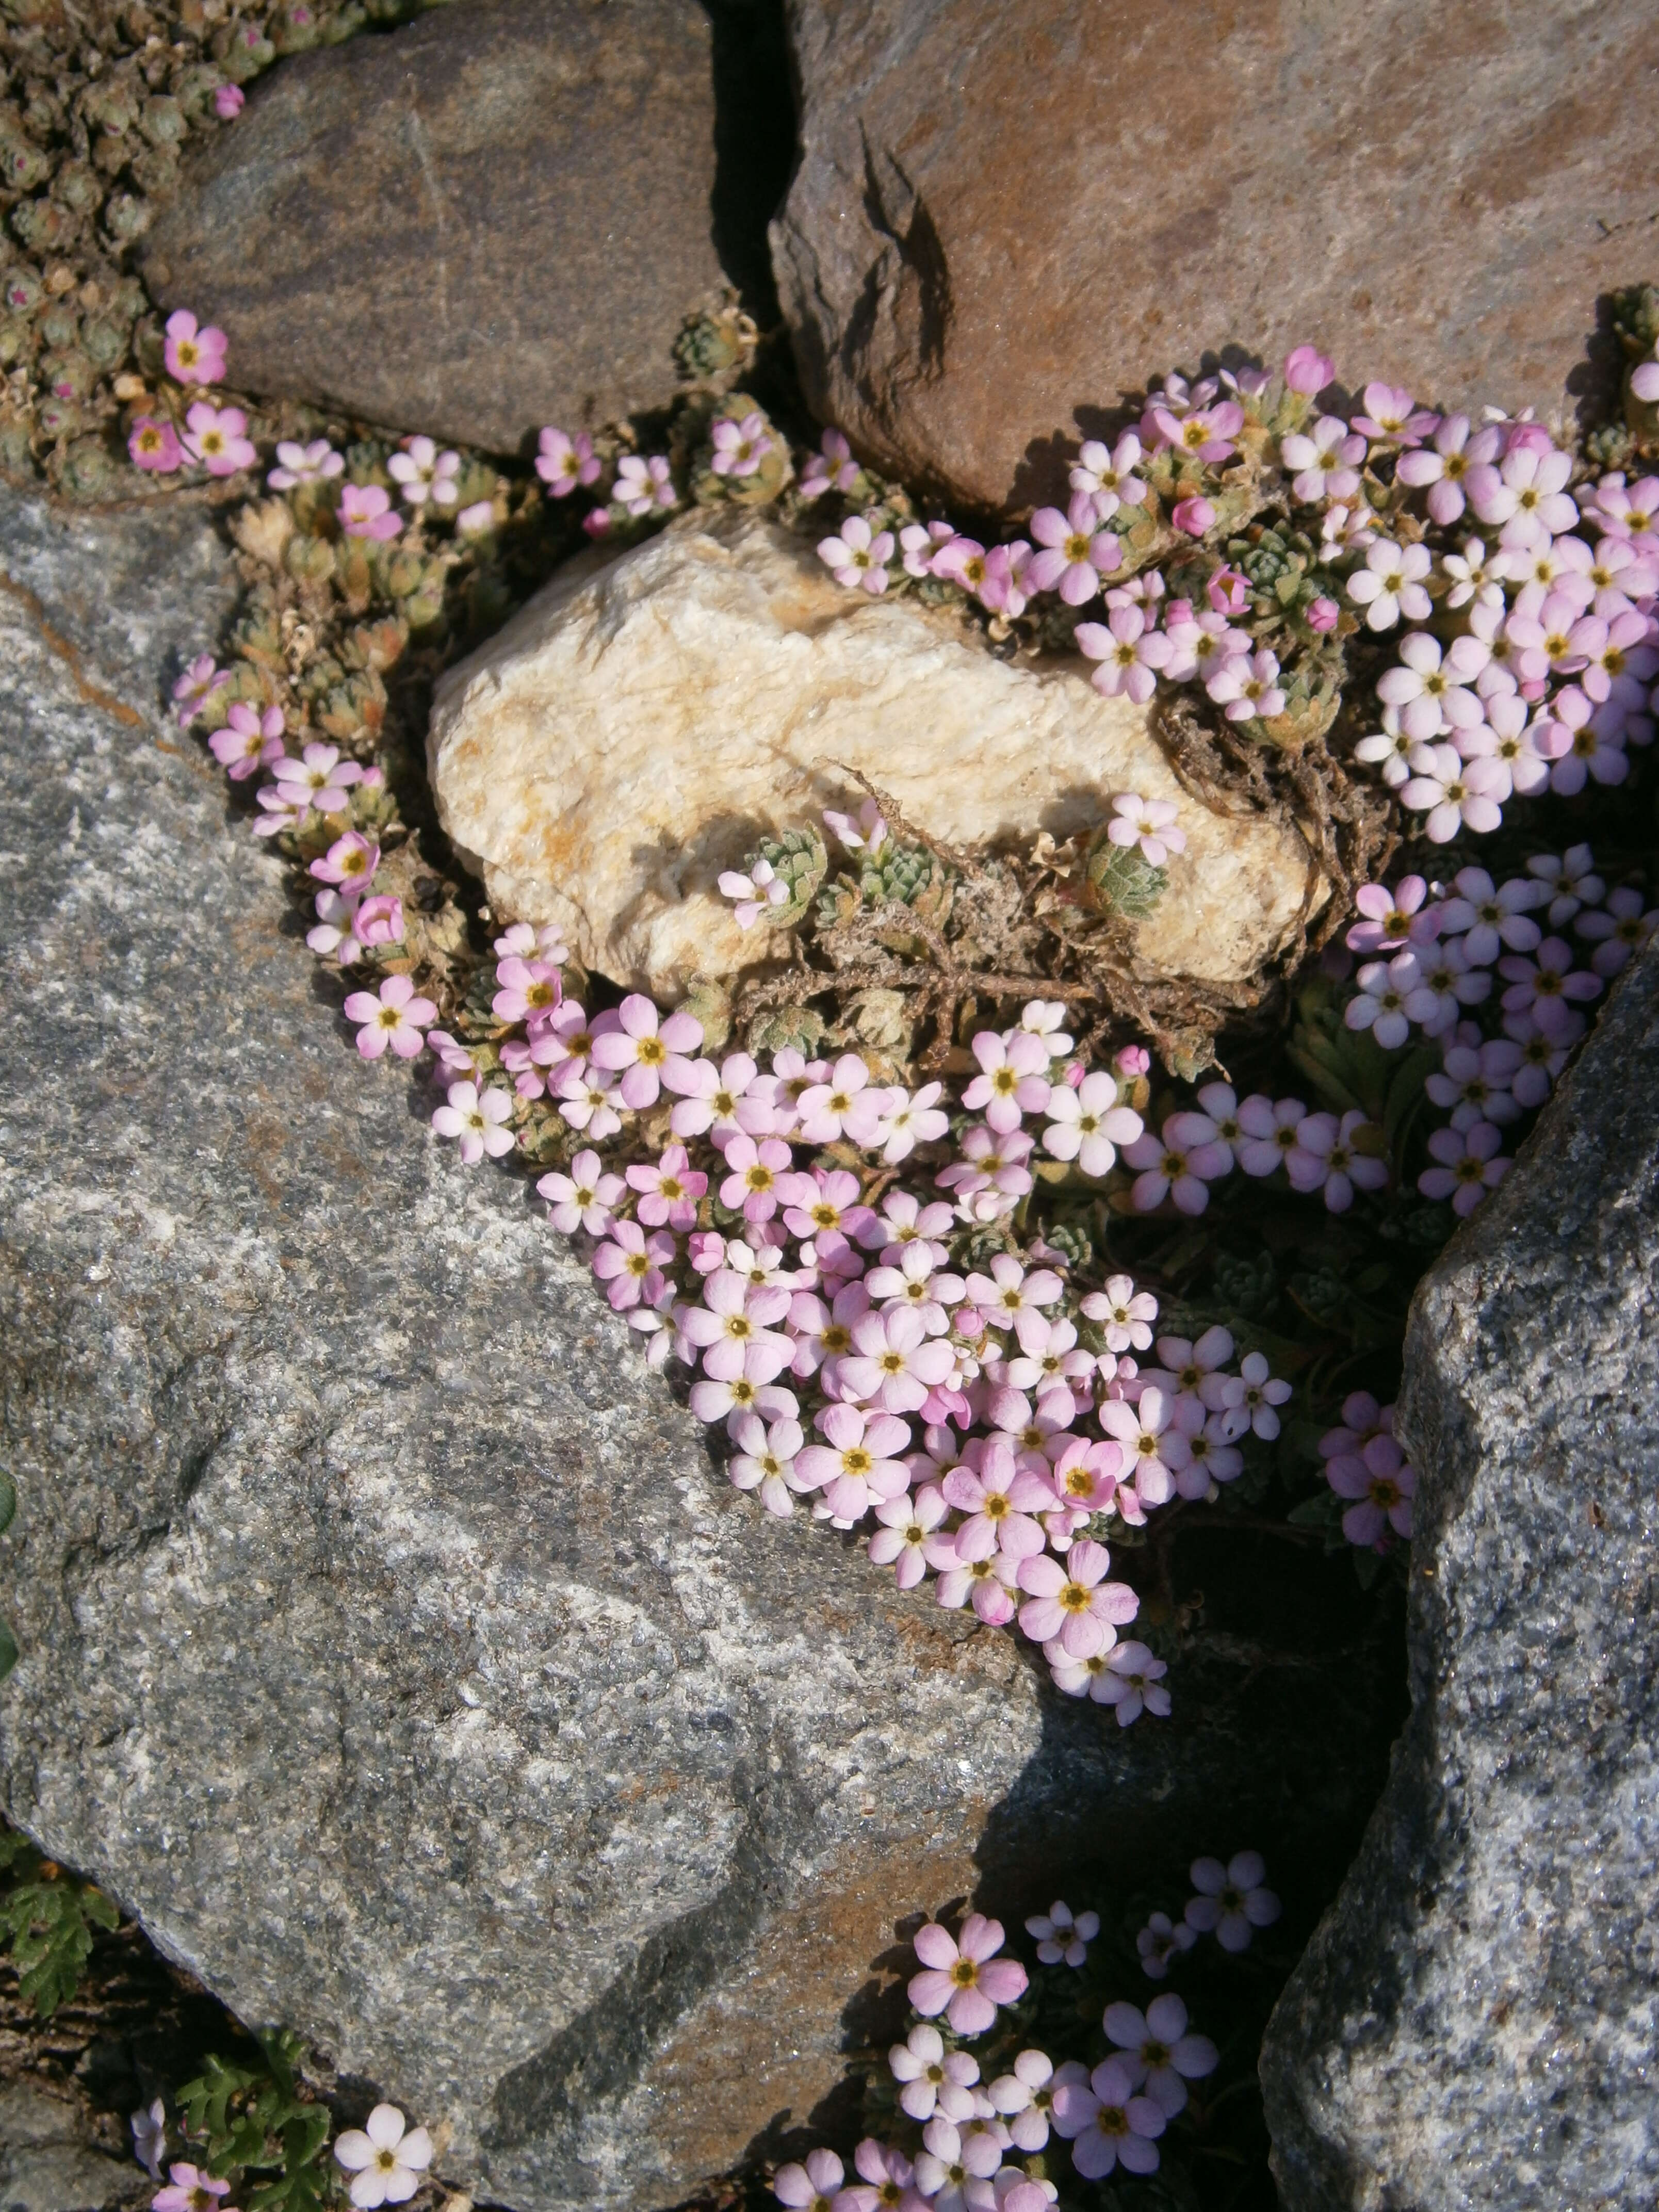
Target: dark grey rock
{"type": "Point", "coordinates": [1475, 2023]}
{"type": "Point", "coordinates": [53, 2159]}
{"type": "Point", "coordinates": [495, 218]}
{"type": "Point", "coordinates": [391, 1646]}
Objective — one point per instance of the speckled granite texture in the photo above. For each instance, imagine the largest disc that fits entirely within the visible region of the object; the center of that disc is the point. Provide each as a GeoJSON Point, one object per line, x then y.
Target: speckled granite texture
{"type": "Point", "coordinates": [1476, 2023]}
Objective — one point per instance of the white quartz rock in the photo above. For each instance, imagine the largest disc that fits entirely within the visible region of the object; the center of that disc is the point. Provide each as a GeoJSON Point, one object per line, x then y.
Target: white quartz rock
{"type": "Point", "coordinates": [636, 726]}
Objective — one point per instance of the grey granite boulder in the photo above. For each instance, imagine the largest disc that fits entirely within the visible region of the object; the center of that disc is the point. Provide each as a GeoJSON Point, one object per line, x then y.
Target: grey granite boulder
{"type": "Point", "coordinates": [495, 218]}
{"type": "Point", "coordinates": [391, 1646]}
{"type": "Point", "coordinates": [1476, 2021]}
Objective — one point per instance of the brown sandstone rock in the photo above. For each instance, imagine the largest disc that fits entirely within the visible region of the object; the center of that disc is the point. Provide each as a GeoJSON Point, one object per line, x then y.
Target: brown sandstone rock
{"type": "Point", "coordinates": [494, 219]}
{"type": "Point", "coordinates": [1005, 217]}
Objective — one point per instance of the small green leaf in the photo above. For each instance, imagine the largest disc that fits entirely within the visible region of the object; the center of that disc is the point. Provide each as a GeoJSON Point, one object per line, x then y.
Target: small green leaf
{"type": "Point", "coordinates": [7, 1650]}
{"type": "Point", "coordinates": [7, 1500]}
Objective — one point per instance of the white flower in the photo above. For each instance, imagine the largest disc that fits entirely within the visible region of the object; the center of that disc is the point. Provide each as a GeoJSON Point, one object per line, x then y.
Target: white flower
{"type": "Point", "coordinates": [385, 2159]}
{"type": "Point", "coordinates": [858, 556]}
{"type": "Point", "coordinates": [425, 474]}
{"type": "Point", "coordinates": [1390, 584]}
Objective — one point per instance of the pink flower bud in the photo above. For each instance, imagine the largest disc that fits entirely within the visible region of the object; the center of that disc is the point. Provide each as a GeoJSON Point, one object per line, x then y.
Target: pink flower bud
{"type": "Point", "coordinates": [229, 102]}
{"type": "Point", "coordinates": [1307, 370]}
{"type": "Point", "coordinates": [1645, 381]}
{"type": "Point", "coordinates": [1323, 615]}
{"type": "Point", "coordinates": [1194, 516]}
{"type": "Point", "coordinates": [1131, 1061]}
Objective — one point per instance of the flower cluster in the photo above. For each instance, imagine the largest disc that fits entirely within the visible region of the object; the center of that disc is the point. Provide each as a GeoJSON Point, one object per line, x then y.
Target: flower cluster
{"type": "Point", "coordinates": [269, 2150]}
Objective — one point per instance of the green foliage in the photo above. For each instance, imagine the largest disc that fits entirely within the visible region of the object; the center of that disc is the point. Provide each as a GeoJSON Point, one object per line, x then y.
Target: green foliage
{"type": "Point", "coordinates": [46, 1920]}
{"type": "Point", "coordinates": [1124, 880]}
{"type": "Point", "coordinates": [258, 2119]}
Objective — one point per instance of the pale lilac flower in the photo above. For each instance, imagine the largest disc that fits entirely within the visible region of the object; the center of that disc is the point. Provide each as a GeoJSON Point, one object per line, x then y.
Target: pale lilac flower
{"type": "Point", "coordinates": [1005, 590]}
{"type": "Point", "coordinates": [1527, 496]}
{"type": "Point", "coordinates": [1148, 822]}
{"type": "Point", "coordinates": [1180, 1163]}
{"type": "Point", "coordinates": [1205, 433]}
{"type": "Point", "coordinates": [1025, 2097]}
{"type": "Point", "coordinates": [1445, 467]}
{"type": "Point", "coordinates": [386, 2158]}
{"type": "Point", "coordinates": [1156, 1444]}
{"type": "Point", "coordinates": [1129, 652]}
{"type": "Point", "coordinates": [910, 1119]}
{"type": "Point", "coordinates": [249, 740]}
{"type": "Point", "coordinates": [1106, 474]}
{"type": "Point", "coordinates": [811, 2187]}
{"type": "Point", "coordinates": [194, 355]}
{"type": "Point", "coordinates": [304, 464]}
{"type": "Point", "coordinates": [832, 468]}
{"type": "Point", "coordinates": [1473, 576]}
{"type": "Point", "coordinates": [754, 891]}
{"type": "Point", "coordinates": [919, 545]}
{"type": "Point", "coordinates": [1454, 793]}
{"type": "Point", "coordinates": [963, 1977]}
{"type": "Point", "coordinates": [474, 1116]}
{"type": "Point", "coordinates": [859, 557]}
{"type": "Point", "coordinates": [1431, 692]}
{"type": "Point", "coordinates": [1107, 2125]}
{"type": "Point", "coordinates": [1474, 1081]}
{"type": "Point", "coordinates": [740, 448]}
{"type": "Point", "coordinates": [1075, 553]}
{"type": "Point", "coordinates": [999, 1497]}
{"type": "Point", "coordinates": [641, 1048]}
{"type": "Point", "coordinates": [1570, 881]}
{"type": "Point", "coordinates": [1248, 1398]}
{"type": "Point", "coordinates": [192, 2189]}
{"type": "Point", "coordinates": [1622, 928]}
{"type": "Point", "coordinates": [931, 2077]}
{"type": "Point", "coordinates": [1062, 1937]}
{"type": "Point", "coordinates": [1323, 460]}
{"type": "Point", "coordinates": [1087, 1125]}
{"type": "Point", "coordinates": [915, 1284]}
{"type": "Point", "coordinates": [1190, 1369]}
{"type": "Point", "coordinates": [1393, 417]}
{"type": "Point", "coordinates": [845, 1106]}
{"type": "Point", "coordinates": [901, 1542]}
{"type": "Point", "coordinates": [1487, 918]}
{"type": "Point", "coordinates": [1379, 1005]}
{"type": "Point", "coordinates": [1159, 1940]}
{"type": "Point", "coordinates": [563, 463]}
{"type": "Point", "coordinates": [1381, 1485]}
{"type": "Point", "coordinates": [1161, 2056]}
{"type": "Point", "coordinates": [645, 485]}
{"type": "Point", "coordinates": [886, 2175]}
{"type": "Point", "coordinates": [1130, 1680]}
{"type": "Point", "coordinates": [633, 1264]}
{"type": "Point", "coordinates": [1547, 985]}
{"type": "Point", "coordinates": [894, 1362]}
{"type": "Point", "coordinates": [476, 520]}
{"type": "Point", "coordinates": [1074, 1604]}
{"type": "Point", "coordinates": [365, 511]}
{"type": "Point", "coordinates": [720, 1101]}
{"type": "Point", "coordinates": [1390, 585]}
{"type": "Point", "coordinates": [1247, 686]}
{"type": "Point", "coordinates": [394, 1016]}
{"type": "Point", "coordinates": [1581, 747]}
{"type": "Point", "coordinates": [1624, 510]}
{"type": "Point", "coordinates": [1447, 982]}
{"type": "Point", "coordinates": [1466, 1165]}
{"type": "Point", "coordinates": [1008, 1291]}
{"type": "Point", "coordinates": [584, 1198]}
{"type": "Point", "coordinates": [1126, 1314]}
{"type": "Point", "coordinates": [150, 2137]}
{"type": "Point", "coordinates": [1389, 750]}
{"type": "Point", "coordinates": [216, 437]}
{"type": "Point", "coordinates": [1326, 1160]}
{"type": "Point", "coordinates": [1268, 1129]}
{"type": "Point", "coordinates": [426, 475]}
{"type": "Point", "coordinates": [1231, 1902]}
{"type": "Point", "coordinates": [1621, 665]}
{"type": "Point", "coordinates": [954, 2165]}
{"type": "Point", "coordinates": [858, 1465]}
{"type": "Point", "coordinates": [1396, 918]}
{"type": "Point", "coordinates": [1014, 1078]}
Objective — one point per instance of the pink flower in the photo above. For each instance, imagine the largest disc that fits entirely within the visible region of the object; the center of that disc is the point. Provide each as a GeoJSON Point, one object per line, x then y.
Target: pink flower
{"type": "Point", "coordinates": [832, 468]}
{"type": "Point", "coordinates": [155, 444]}
{"type": "Point", "coordinates": [584, 1198]}
{"type": "Point", "coordinates": [857, 1464]}
{"type": "Point", "coordinates": [1106, 2124]}
{"type": "Point", "coordinates": [1247, 686]}
{"type": "Point", "coordinates": [563, 463]}
{"type": "Point", "coordinates": [1075, 1603]}
{"type": "Point", "coordinates": [643, 1047]}
{"type": "Point", "coordinates": [350, 862]}
{"type": "Point", "coordinates": [1005, 590]}
{"type": "Point", "coordinates": [192, 2189]}
{"type": "Point", "coordinates": [1527, 494]}
{"type": "Point", "coordinates": [1455, 793]}
{"type": "Point", "coordinates": [931, 2078]}
{"type": "Point", "coordinates": [754, 891]}
{"type": "Point", "coordinates": [740, 448]}
{"type": "Point", "coordinates": [1162, 2058]}
{"type": "Point", "coordinates": [1307, 371]}
{"type": "Point", "coordinates": [633, 1264]}
{"type": "Point", "coordinates": [1157, 1451]}
{"type": "Point", "coordinates": [810, 2188]}
{"type": "Point", "coordinates": [1000, 1498]}
{"type": "Point", "coordinates": [894, 1363]}
{"type": "Point", "coordinates": [753, 1170]}
{"type": "Point", "coordinates": [215, 436]}
{"type": "Point", "coordinates": [1381, 1484]}
{"type": "Point", "coordinates": [1205, 433]}
{"type": "Point", "coordinates": [1231, 1901]}
{"type": "Point", "coordinates": [1106, 474]}
{"type": "Point", "coordinates": [394, 1016]}
{"type": "Point", "coordinates": [901, 1542]}
{"type": "Point", "coordinates": [1013, 1080]}
{"type": "Point", "coordinates": [1062, 1936]}
{"type": "Point", "coordinates": [1323, 615]}
{"type": "Point", "coordinates": [1127, 1678]}
{"type": "Point", "coordinates": [1087, 1124]}
{"type": "Point", "coordinates": [1644, 382]}
{"type": "Point", "coordinates": [1380, 1006]}
{"type": "Point", "coordinates": [645, 485]}
{"type": "Point", "coordinates": [858, 557]}
{"type": "Point", "coordinates": [1179, 1163]}
{"type": "Point", "coordinates": [669, 1190]}
{"type": "Point", "coordinates": [843, 1107]}
{"type": "Point", "coordinates": [319, 779]}
{"type": "Point", "coordinates": [1075, 553]}
{"type": "Point", "coordinates": [887, 2175]}
{"type": "Point", "coordinates": [475, 1118]}
{"type": "Point", "coordinates": [229, 102]}
{"type": "Point", "coordinates": [365, 511]}
{"type": "Point", "coordinates": [1446, 470]}
{"type": "Point", "coordinates": [302, 464]}
{"type": "Point", "coordinates": [1465, 1166]}
{"type": "Point", "coordinates": [1129, 652]}
{"type": "Point", "coordinates": [1148, 822]}
{"type": "Point", "coordinates": [196, 356]}
{"type": "Point", "coordinates": [1390, 585]}
{"type": "Point", "coordinates": [1393, 918]}
{"type": "Point", "coordinates": [249, 740]}
{"type": "Point", "coordinates": [963, 1978]}
{"type": "Point", "coordinates": [1126, 1314]}
{"type": "Point", "coordinates": [529, 988]}
{"type": "Point", "coordinates": [1393, 416]}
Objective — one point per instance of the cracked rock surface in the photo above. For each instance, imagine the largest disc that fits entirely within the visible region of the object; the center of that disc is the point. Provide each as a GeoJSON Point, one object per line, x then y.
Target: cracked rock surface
{"type": "Point", "coordinates": [391, 1646]}
{"type": "Point", "coordinates": [1474, 2024]}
